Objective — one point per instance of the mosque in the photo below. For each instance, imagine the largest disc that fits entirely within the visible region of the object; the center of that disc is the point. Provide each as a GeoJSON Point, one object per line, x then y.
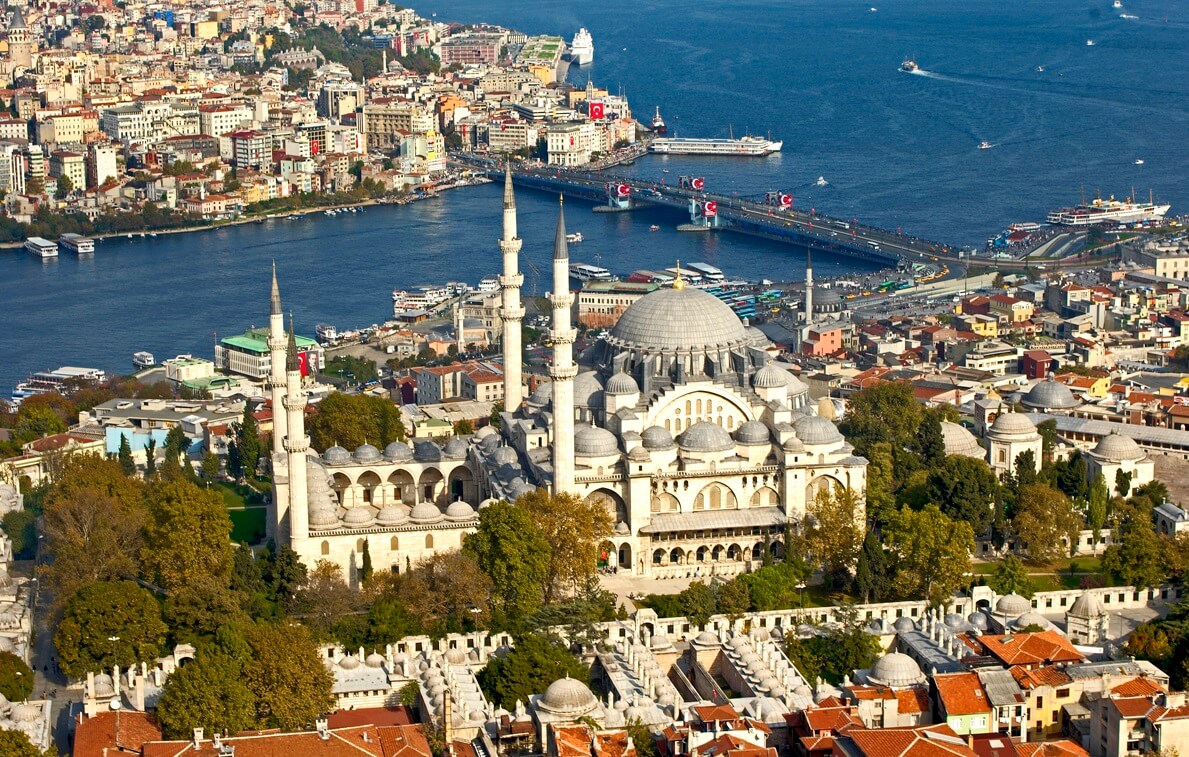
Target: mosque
{"type": "Point", "coordinates": [700, 448]}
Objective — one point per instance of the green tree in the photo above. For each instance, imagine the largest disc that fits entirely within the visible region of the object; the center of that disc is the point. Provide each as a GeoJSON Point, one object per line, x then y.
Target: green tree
{"type": "Point", "coordinates": [35, 422]}
{"type": "Point", "coordinates": [643, 739]}
{"type": "Point", "coordinates": [832, 532]}
{"type": "Point", "coordinates": [1096, 509]}
{"type": "Point", "coordinates": [127, 464]}
{"type": "Point", "coordinates": [210, 466]}
{"type": "Point", "coordinates": [353, 419]}
{"type": "Point", "coordinates": [324, 598]}
{"type": "Point", "coordinates": [775, 587]}
{"type": "Point", "coordinates": [365, 570]}
{"type": "Point", "coordinates": [732, 598]}
{"type": "Point", "coordinates": [150, 468]}
{"type": "Point", "coordinates": [286, 675]}
{"type": "Point", "coordinates": [90, 536]}
{"type": "Point", "coordinates": [247, 442]}
{"type": "Point", "coordinates": [698, 603]}
{"type": "Point", "coordinates": [1046, 522]}
{"type": "Point", "coordinates": [837, 652]}
{"type": "Point", "coordinates": [496, 420]}
{"type": "Point", "coordinates": [574, 528]}
{"type": "Point", "coordinates": [966, 489]}
{"type": "Point", "coordinates": [65, 187]}
{"type": "Point", "coordinates": [509, 547]}
{"type": "Point", "coordinates": [235, 463]}
{"type": "Point", "coordinates": [283, 574]}
{"type": "Point", "coordinates": [106, 624]}
{"type": "Point", "coordinates": [176, 442]}
{"type": "Point", "coordinates": [17, 744]}
{"type": "Point", "coordinates": [208, 693]}
{"type": "Point", "coordinates": [1071, 476]}
{"type": "Point", "coordinates": [196, 610]}
{"type": "Point", "coordinates": [449, 590]}
{"type": "Point", "coordinates": [187, 536]}
{"type": "Point", "coordinates": [21, 528]}
{"type": "Point", "coordinates": [463, 428]}
{"type": "Point", "coordinates": [881, 487]}
{"type": "Point", "coordinates": [885, 412]}
{"type": "Point", "coordinates": [535, 661]}
{"type": "Point", "coordinates": [16, 679]}
{"type": "Point", "coordinates": [1011, 577]}
{"type": "Point", "coordinates": [1122, 482]}
{"type": "Point", "coordinates": [871, 573]}
{"type": "Point", "coordinates": [1139, 556]}
{"type": "Point", "coordinates": [930, 553]}
{"type": "Point", "coordinates": [930, 441]}
{"type": "Point", "coordinates": [1048, 434]}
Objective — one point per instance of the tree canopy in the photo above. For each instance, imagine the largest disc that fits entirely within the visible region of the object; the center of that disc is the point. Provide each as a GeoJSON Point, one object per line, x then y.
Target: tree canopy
{"type": "Point", "coordinates": [16, 679]}
{"type": "Point", "coordinates": [832, 529]}
{"type": "Point", "coordinates": [930, 553]}
{"type": "Point", "coordinates": [535, 661]}
{"type": "Point", "coordinates": [187, 535]}
{"type": "Point", "coordinates": [109, 623]}
{"type": "Point", "coordinates": [574, 528]}
{"type": "Point", "coordinates": [509, 547]}
{"type": "Point", "coordinates": [965, 488]}
{"type": "Point", "coordinates": [207, 693]}
{"type": "Point", "coordinates": [350, 420]}
{"type": "Point", "coordinates": [1046, 522]}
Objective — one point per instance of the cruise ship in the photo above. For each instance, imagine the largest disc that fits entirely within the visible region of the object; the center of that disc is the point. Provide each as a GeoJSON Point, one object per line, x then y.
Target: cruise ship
{"type": "Point", "coordinates": [76, 243]}
{"type": "Point", "coordinates": [686, 146]}
{"type": "Point", "coordinates": [42, 248]}
{"type": "Point", "coordinates": [1109, 210]}
{"type": "Point", "coordinates": [658, 123]}
{"type": "Point", "coordinates": [582, 48]}
{"type": "Point", "coordinates": [584, 272]}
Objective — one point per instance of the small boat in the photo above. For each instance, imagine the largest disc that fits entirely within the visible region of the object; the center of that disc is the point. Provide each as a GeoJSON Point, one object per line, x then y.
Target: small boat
{"type": "Point", "coordinates": [142, 360]}
{"type": "Point", "coordinates": [984, 145]}
{"type": "Point", "coordinates": [1040, 69]}
{"type": "Point", "coordinates": [821, 181]}
{"type": "Point", "coordinates": [664, 170]}
{"type": "Point", "coordinates": [1139, 161]}
{"type": "Point", "coordinates": [1089, 43]}
{"type": "Point", "coordinates": [1117, 4]}
{"type": "Point", "coordinates": [873, 9]}
{"type": "Point", "coordinates": [654, 227]}
{"type": "Point", "coordinates": [909, 66]}
{"type": "Point", "coordinates": [575, 237]}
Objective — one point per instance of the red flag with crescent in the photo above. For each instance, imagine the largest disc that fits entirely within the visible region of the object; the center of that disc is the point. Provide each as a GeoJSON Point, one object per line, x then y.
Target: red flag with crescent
{"type": "Point", "coordinates": [596, 110]}
{"type": "Point", "coordinates": [623, 190]}
{"type": "Point", "coordinates": [710, 209]}
{"type": "Point", "coordinates": [786, 201]}
{"type": "Point", "coordinates": [698, 183]}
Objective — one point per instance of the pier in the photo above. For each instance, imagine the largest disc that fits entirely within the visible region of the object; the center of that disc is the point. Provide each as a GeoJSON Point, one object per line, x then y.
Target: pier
{"type": "Point", "coordinates": [771, 218]}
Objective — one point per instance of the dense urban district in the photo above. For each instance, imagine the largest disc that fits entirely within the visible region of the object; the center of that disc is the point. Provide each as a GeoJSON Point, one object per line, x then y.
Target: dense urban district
{"type": "Point", "coordinates": [651, 517]}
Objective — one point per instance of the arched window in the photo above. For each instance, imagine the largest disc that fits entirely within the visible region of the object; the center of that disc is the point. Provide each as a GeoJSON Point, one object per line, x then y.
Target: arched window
{"type": "Point", "coordinates": [429, 541]}
{"type": "Point", "coordinates": [325, 547]}
{"type": "Point", "coordinates": [395, 544]}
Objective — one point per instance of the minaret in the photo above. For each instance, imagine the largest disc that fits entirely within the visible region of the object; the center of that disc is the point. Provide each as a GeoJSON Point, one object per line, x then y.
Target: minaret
{"type": "Point", "coordinates": [459, 335]}
{"type": "Point", "coordinates": [276, 375]}
{"type": "Point", "coordinates": [808, 306]}
{"type": "Point", "coordinates": [296, 443]}
{"type": "Point", "coordinates": [511, 312]}
{"type": "Point", "coordinates": [563, 370]}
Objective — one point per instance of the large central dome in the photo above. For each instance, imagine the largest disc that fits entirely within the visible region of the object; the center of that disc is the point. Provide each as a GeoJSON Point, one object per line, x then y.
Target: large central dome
{"type": "Point", "coordinates": [669, 320]}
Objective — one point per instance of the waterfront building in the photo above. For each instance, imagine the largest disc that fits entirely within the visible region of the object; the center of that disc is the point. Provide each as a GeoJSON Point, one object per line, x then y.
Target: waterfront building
{"type": "Point", "coordinates": [249, 354]}
{"type": "Point", "coordinates": [69, 165]}
{"type": "Point", "coordinates": [601, 303]}
{"type": "Point", "coordinates": [571, 144]}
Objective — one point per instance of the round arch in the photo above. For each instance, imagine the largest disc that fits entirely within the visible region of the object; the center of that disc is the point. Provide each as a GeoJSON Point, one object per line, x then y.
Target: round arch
{"type": "Point", "coordinates": [765, 496]}
{"type": "Point", "coordinates": [404, 489]}
{"type": "Point", "coordinates": [663, 502]}
{"type": "Point", "coordinates": [816, 485]}
{"type": "Point", "coordinates": [625, 555]}
{"type": "Point", "coordinates": [462, 484]}
{"type": "Point", "coordinates": [369, 484]}
{"type": "Point", "coordinates": [685, 407]}
{"type": "Point", "coordinates": [341, 484]}
{"type": "Point", "coordinates": [430, 486]}
{"type": "Point", "coordinates": [612, 502]}
{"type": "Point", "coordinates": [716, 496]}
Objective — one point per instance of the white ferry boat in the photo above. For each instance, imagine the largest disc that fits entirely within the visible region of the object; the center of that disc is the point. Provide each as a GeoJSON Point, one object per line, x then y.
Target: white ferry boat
{"type": "Point", "coordinates": [582, 48]}
{"type": "Point", "coordinates": [575, 238]}
{"type": "Point", "coordinates": [142, 360]}
{"type": "Point", "coordinates": [420, 297]}
{"type": "Point", "coordinates": [489, 284]}
{"type": "Point", "coordinates": [708, 272]}
{"type": "Point", "coordinates": [1109, 210]}
{"type": "Point", "coordinates": [584, 272]}
{"type": "Point", "coordinates": [757, 146]}
{"type": "Point", "coordinates": [76, 243]}
{"type": "Point", "coordinates": [325, 333]}
{"type": "Point", "coordinates": [59, 379]}
{"type": "Point", "coordinates": [42, 248]}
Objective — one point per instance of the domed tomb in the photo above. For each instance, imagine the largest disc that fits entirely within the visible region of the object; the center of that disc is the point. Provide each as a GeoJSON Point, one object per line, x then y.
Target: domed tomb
{"type": "Point", "coordinates": [567, 697]}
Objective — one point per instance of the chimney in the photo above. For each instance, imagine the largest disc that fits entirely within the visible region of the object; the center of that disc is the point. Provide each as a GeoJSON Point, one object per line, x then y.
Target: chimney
{"type": "Point", "coordinates": [448, 717]}
{"type": "Point", "coordinates": [217, 740]}
{"type": "Point", "coordinates": [197, 738]}
{"type": "Point", "coordinates": [323, 727]}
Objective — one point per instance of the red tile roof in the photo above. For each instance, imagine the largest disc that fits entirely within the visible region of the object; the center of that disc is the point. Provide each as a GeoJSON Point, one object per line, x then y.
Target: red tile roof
{"type": "Point", "coordinates": [1138, 687]}
{"type": "Point", "coordinates": [1058, 748]}
{"type": "Point", "coordinates": [961, 694]}
{"type": "Point", "coordinates": [114, 733]}
{"type": "Point", "coordinates": [923, 741]}
{"type": "Point", "coordinates": [1031, 648]}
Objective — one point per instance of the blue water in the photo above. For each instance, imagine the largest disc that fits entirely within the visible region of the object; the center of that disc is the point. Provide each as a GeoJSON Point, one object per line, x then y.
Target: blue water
{"type": "Point", "coordinates": [898, 150]}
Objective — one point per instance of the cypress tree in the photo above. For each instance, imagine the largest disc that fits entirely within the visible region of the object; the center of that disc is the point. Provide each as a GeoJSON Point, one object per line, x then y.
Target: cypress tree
{"type": "Point", "coordinates": [127, 464]}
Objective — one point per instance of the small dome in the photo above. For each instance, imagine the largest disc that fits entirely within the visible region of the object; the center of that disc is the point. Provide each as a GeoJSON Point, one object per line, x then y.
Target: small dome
{"type": "Point", "coordinates": [904, 624]}
{"type": "Point", "coordinates": [794, 445]}
{"type": "Point", "coordinates": [104, 685]}
{"type": "Point", "coordinates": [656, 437]}
{"type": "Point", "coordinates": [704, 436]}
{"type": "Point", "coordinates": [567, 696]}
{"type": "Point", "coordinates": [323, 515]}
{"type": "Point", "coordinates": [427, 452]}
{"type": "Point", "coordinates": [1013, 424]}
{"type": "Point", "coordinates": [1012, 605]}
{"type": "Point", "coordinates": [978, 620]}
{"type": "Point", "coordinates": [425, 513]}
{"type": "Point", "coordinates": [459, 510]}
{"type": "Point", "coordinates": [360, 515]}
{"type": "Point", "coordinates": [815, 430]}
{"type": "Point", "coordinates": [1087, 606]}
{"type": "Point", "coordinates": [504, 456]}
{"type": "Point", "coordinates": [25, 713]}
{"type": "Point", "coordinates": [336, 455]}
{"type": "Point", "coordinates": [374, 660]}
{"type": "Point", "coordinates": [541, 395]}
{"type": "Point", "coordinates": [770, 377]}
{"type": "Point", "coordinates": [706, 639]}
{"type": "Point", "coordinates": [398, 452]}
{"type": "Point", "coordinates": [350, 662]}
{"type": "Point", "coordinates": [639, 455]}
{"type": "Point", "coordinates": [622, 529]}
{"type": "Point", "coordinates": [366, 453]}
{"type": "Point", "coordinates": [1032, 618]}
{"type": "Point", "coordinates": [588, 390]}
{"type": "Point", "coordinates": [456, 656]}
{"type": "Point", "coordinates": [1050, 395]}
{"type": "Point", "coordinates": [752, 432]}
{"type": "Point", "coordinates": [1117, 448]}
{"type": "Point", "coordinates": [391, 515]}
{"type": "Point", "coordinates": [622, 383]}
{"type": "Point", "coordinates": [955, 620]}
{"type": "Point", "coordinates": [959, 441]}
{"type": "Point", "coordinates": [660, 641]}
{"type": "Point", "coordinates": [896, 669]}
{"type": "Point", "coordinates": [456, 448]}
{"type": "Point", "coordinates": [592, 441]}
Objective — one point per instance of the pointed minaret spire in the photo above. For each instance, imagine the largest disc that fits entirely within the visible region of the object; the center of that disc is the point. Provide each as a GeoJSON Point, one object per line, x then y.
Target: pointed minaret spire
{"type": "Point", "coordinates": [291, 361]}
{"type": "Point", "coordinates": [563, 370]}
{"type": "Point", "coordinates": [275, 304]}
{"type": "Point", "coordinates": [808, 307]}
{"type": "Point", "coordinates": [509, 196]}
{"type": "Point", "coordinates": [277, 362]}
{"type": "Point", "coordinates": [511, 311]}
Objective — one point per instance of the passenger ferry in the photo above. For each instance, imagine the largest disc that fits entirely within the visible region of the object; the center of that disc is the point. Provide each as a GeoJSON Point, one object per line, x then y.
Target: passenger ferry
{"type": "Point", "coordinates": [325, 333]}
{"type": "Point", "coordinates": [142, 360]}
{"type": "Point", "coordinates": [1100, 211]}
{"type": "Point", "coordinates": [575, 237]}
{"type": "Point", "coordinates": [76, 243]}
{"type": "Point", "coordinates": [57, 380]}
{"type": "Point", "coordinates": [749, 146]}
{"type": "Point", "coordinates": [489, 284]}
{"type": "Point", "coordinates": [708, 272]}
{"type": "Point", "coordinates": [42, 248]}
{"type": "Point", "coordinates": [584, 272]}
{"type": "Point", "coordinates": [420, 298]}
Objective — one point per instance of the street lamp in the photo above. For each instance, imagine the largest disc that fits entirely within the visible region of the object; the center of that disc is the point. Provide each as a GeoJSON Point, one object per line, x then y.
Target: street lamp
{"type": "Point", "coordinates": [801, 589]}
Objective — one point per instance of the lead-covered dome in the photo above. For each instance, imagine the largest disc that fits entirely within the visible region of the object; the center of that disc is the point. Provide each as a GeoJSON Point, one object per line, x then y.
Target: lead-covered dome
{"type": "Point", "coordinates": [336, 455]}
{"type": "Point", "coordinates": [398, 452]}
{"type": "Point", "coordinates": [814, 429]}
{"type": "Point", "coordinates": [959, 441]}
{"type": "Point", "coordinates": [588, 390]}
{"type": "Point", "coordinates": [366, 453]}
{"type": "Point", "coordinates": [425, 512]}
{"type": "Point", "coordinates": [1013, 424]}
{"type": "Point", "coordinates": [706, 437]}
{"type": "Point", "coordinates": [770, 377]}
{"type": "Point", "coordinates": [1012, 605]}
{"type": "Point", "coordinates": [1050, 395]}
{"type": "Point", "coordinates": [1117, 448]}
{"type": "Point", "coordinates": [678, 319]}
{"type": "Point", "coordinates": [567, 696]}
{"type": "Point", "coordinates": [656, 437]}
{"type": "Point", "coordinates": [622, 383]}
{"type": "Point", "coordinates": [896, 670]}
{"type": "Point", "coordinates": [752, 432]}
{"type": "Point", "coordinates": [591, 441]}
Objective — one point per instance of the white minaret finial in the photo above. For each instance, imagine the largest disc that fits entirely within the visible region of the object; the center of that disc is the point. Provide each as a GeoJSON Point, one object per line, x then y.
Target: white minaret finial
{"type": "Point", "coordinates": [296, 442]}
{"type": "Point", "coordinates": [511, 312]}
{"type": "Point", "coordinates": [276, 375]}
{"type": "Point", "coordinates": [563, 370]}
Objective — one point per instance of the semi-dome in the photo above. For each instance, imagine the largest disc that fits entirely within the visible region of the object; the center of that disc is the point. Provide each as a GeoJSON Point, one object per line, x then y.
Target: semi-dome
{"type": "Point", "coordinates": [360, 515]}
{"type": "Point", "coordinates": [622, 383]}
{"type": "Point", "coordinates": [1117, 448]}
{"type": "Point", "coordinates": [814, 429]}
{"type": "Point", "coordinates": [896, 669]}
{"type": "Point", "coordinates": [398, 452]}
{"type": "Point", "coordinates": [1012, 605]}
{"type": "Point", "coordinates": [770, 377]}
{"type": "Point", "coordinates": [752, 432]}
{"type": "Point", "coordinates": [705, 436]}
{"type": "Point", "coordinates": [1050, 395]}
{"type": "Point", "coordinates": [336, 455]}
{"type": "Point", "coordinates": [425, 512]}
{"type": "Point", "coordinates": [455, 448]}
{"type": "Point", "coordinates": [1087, 606]}
{"type": "Point", "coordinates": [1013, 424]}
{"type": "Point", "coordinates": [588, 390]}
{"type": "Point", "coordinates": [391, 515]}
{"type": "Point", "coordinates": [541, 395]}
{"type": "Point", "coordinates": [656, 437]}
{"type": "Point", "coordinates": [567, 696]}
{"type": "Point", "coordinates": [459, 510]}
{"type": "Point", "coordinates": [366, 453]}
{"type": "Point", "coordinates": [959, 441]}
{"type": "Point", "coordinates": [592, 441]}
{"type": "Point", "coordinates": [685, 319]}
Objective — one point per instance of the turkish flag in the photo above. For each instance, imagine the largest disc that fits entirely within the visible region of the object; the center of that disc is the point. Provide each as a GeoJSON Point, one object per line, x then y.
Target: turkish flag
{"type": "Point", "coordinates": [596, 110]}
{"type": "Point", "coordinates": [303, 362]}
